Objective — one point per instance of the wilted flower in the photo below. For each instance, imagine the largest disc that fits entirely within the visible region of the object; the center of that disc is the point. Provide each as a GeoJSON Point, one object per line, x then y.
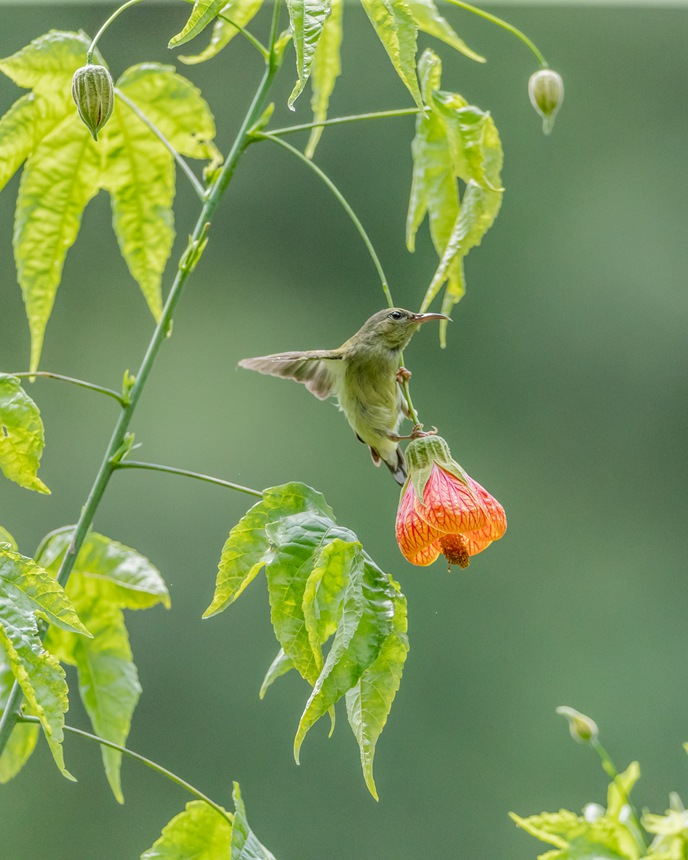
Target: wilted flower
{"type": "Point", "coordinates": [546, 91]}
{"type": "Point", "coordinates": [94, 95]}
{"type": "Point", "coordinates": [442, 510]}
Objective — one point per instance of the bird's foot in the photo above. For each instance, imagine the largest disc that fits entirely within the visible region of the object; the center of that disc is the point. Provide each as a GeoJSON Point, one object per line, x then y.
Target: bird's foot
{"type": "Point", "coordinates": [403, 375]}
{"type": "Point", "coordinates": [416, 433]}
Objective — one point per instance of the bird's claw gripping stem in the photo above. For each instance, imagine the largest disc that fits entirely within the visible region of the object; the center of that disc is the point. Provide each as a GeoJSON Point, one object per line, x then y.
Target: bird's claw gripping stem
{"type": "Point", "coordinates": [416, 433]}
{"type": "Point", "coordinates": [403, 375]}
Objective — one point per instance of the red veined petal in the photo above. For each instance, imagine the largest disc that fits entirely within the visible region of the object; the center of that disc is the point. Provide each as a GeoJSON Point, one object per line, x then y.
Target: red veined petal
{"type": "Point", "coordinates": [449, 505]}
{"type": "Point", "coordinates": [417, 540]}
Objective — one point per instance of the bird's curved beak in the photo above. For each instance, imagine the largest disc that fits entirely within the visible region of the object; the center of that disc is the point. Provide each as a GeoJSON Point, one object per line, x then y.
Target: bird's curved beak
{"type": "Point", "coordinates": [423, 318]}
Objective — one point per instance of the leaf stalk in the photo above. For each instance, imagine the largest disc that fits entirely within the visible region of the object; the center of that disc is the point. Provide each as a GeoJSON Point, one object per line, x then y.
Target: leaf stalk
{"type": "Point", "coordinates": [81, 383]}
{"type": "Point", "coordinates": [173, 470]}
{"type": "Point", "coordinates": [115, 14]}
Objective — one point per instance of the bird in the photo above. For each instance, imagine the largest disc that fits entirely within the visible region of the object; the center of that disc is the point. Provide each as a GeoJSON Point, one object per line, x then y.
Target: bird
{"type": "Point", "coordinates": [365, 376]}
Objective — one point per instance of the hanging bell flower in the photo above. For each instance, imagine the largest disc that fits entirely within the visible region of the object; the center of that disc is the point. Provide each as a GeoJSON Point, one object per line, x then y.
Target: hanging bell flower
{"type": "Point", "coordinates": [546, 91]}
{"type": "Point", "coordinates": [94, 95]}
{"type": "Point", "coordinates": [442, 510]}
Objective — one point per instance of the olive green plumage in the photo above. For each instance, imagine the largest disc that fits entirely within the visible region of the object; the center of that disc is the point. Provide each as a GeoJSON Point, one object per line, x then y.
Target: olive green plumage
{"type": "Point", "coordinates": [362, 375]}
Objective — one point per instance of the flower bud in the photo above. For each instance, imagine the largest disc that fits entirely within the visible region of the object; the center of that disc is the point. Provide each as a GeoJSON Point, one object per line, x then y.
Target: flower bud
{"type": "Point", "coordinates": [582, 728]}
{"type": "Point", "coordinates": [546, 91]}
{"type": "Point", "coordinates": [94, 94]}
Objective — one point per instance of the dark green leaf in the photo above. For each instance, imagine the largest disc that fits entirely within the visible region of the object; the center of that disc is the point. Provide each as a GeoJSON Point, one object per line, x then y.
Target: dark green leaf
{"type": "Point", "coordinates": [21, 435]}
{"type": "Point", "coordinates": [198, 833]}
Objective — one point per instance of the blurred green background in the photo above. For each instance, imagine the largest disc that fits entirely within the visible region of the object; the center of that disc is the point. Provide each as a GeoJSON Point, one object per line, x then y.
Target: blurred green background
{"type": "Point", "coordinates": [563, 391]}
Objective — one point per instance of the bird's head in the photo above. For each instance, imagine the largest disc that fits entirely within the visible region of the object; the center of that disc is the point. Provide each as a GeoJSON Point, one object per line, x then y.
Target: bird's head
{"type": "Point", "coordinates": [393, 327]}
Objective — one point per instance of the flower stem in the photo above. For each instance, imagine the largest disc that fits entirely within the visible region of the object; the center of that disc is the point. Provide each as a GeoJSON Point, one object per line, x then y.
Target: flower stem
{"type": "Point", "coordinates": [172, 470]}
{"type": "Point", "coordinates": [177, 780]}
{"type": "Point", "coordinates": [115, 14]}
{"type": "Point", "coordinates": [500, 22]}
{"type": "Point", "coordinates": [340, 120]}
{"type": "Point", "coordinates": [188, 172]}
{"type": "Point", "coordinates": [90, 386]}
{"type": "Point", "coordinates": [610, 769]}
{"type": "Point", "coordinates": [347, 208]}
{"type": "Point", "coordinates": [108, 464]}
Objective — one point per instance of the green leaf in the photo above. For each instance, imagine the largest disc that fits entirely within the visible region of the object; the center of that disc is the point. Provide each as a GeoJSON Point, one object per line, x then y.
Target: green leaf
{"type": "Point", "coordinates": [27, 590]}
{"type": "Point", "coordinates": [246, 549]}
{"type": "Point", "coordinates": [397, 30]}
{"type": "Point", "coordinates": [325, 70]}
{"type": "Point", "coordinates": [47, 62]}
{"type": "Point", "coordinates": [324, 592]}
{"type": "Point", "coordinates": [16, 136]}
{"type": "Point", "coordinates": [369, 702]}
{"type": "Point", "coordinates": [106, 578]}
{"type": "Point", "coordinates": [279, 666]}
{"type": "Point", "coordinates": [308, 19]}
{"type": "Point", "coordinates": [60, 177]}
{"type": "Point", "coordinates": [6, 538]}
{"type": "Point", "coordinates": [198, 833]}
{"type": "Point", "coordinates": [24, 736]}
{"type": "Point", "coordinates": [362, 627]}
{"type": "Point", "coordinates": [203, 12]}
{"type": "Point", "coordinates": [174, 105]}
{"type": "Point", "coordinates": [21, 435]}
{"type": "Point", "coordinates": [239, 11]}
{"type": "Point", "coordinates": [429, 20]}
{"type": "Point", "coordinates": [245, 845]}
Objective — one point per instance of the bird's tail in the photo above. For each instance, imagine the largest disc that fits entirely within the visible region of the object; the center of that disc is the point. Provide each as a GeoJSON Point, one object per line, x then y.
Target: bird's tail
{"type": "Point", "coordinates": [397, 466]}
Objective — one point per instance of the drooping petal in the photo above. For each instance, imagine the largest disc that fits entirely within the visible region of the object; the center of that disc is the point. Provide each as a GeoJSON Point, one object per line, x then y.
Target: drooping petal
{"type": "Point", "coordinates": [449, 505]}
{"type": "Point", "coordinates": [417, 540]}
{"type": "Point", "coordinates": [495, 526]}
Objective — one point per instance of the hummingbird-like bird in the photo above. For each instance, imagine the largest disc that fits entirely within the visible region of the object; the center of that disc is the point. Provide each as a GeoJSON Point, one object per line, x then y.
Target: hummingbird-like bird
{"type": "Point", "coordinates": [364, 374]}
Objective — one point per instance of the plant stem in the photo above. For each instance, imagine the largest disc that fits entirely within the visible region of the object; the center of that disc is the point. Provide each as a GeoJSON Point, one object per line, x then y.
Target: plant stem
{"type": "Point", "coordinates": [115, 14]}
{"type": "Point", "coordinates": [188, 172]}
{"type": "Point", "coordinates": [172, 470]}
{"type": "Point", "coordinates": [108, 464]}
{"type": "Point", "coordinates": [138, 757]}
{"type": "Point", "coordinates": [347, 208]}
{"type": "Point", "coordinates": [91, 386]}
{"type": "Point", "coordinates": [500, 22]}
{"type": "Point", "coordinates": [340, 120]}
{"type": "Point", "coordinates": [610, 769]}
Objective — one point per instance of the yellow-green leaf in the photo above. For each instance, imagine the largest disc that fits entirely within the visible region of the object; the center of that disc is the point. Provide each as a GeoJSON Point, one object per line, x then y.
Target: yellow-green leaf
{"type": "Point", "coordinates": [21, 435]}
{"type": "Point", "coordinates": [244, 844]}
{"type": "Point", "coordinates": [429, 20]}
{"type": "Point", "coordinates": [198, 833]}
{"type": "Point", "coordinates": [240, 12]}
{"type": "Point", "coordinates": [397, 30]}
{"type": "Point", "coordinates": [325, 70]}
{"type": "Point", "coordinates": [24, 736]}
{"type": "Point", "coordinates": [308, 19]}
{"type": "Point", "coordinates": [279, 666]}
{"type": "Point", "coordinates": [60, 177]}
{"type": "Point", "coordinates": [48, 61]}
{"type": "Point", "coordinates": [6, 538]}
{"type": "Point", "coordinates": [16, 136]}
{"type": "Point", "coordinates": [107, 576]}
{"type": "Point", "coordinates": [203, 12]}
{"type": "Point", "coordinates": [27, 590]}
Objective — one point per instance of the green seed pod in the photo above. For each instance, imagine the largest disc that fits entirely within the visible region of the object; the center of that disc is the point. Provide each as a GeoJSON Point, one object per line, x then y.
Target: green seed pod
{"type": "Point", "coordinates": [94, 94]}
{"type": "Point", "coordinates": [583, 729]}
{"type": "Point", "coordinates": [546, 91]}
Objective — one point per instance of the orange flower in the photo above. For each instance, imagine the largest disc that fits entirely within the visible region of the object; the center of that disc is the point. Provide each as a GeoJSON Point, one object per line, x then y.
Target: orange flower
{"type": "Point", "coordinates": [442, 509]}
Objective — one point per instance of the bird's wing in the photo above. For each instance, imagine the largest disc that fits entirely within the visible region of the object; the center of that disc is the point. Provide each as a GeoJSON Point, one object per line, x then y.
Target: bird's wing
{"type": "Point", "coordinates": [312, 368]}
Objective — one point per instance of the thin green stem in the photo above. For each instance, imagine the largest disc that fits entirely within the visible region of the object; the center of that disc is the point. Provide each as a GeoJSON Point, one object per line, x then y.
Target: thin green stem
{"type": "Point", "coordinates": [610, 769]}
{"type": "Point", "coordinates": [341, 120]}
{"type": "Point", "coordinates": [115, 14]}
{"type": "Point", "coordinates": [108, 464]}
{"type": "Point", "coordinates": [500, 22]}
{"type": "Point", "coordinates": [245, 33]}
{"type": "Point", "coordinates": [90, 386]}
{"type": "Point", "coordinates": [163, 771]}
{"type": "Point", "coordinates": [188, 172]}
{"type": "Point", "coordinates": [172, 470]}
{"type": "Point", "coordinates": [347, 208]}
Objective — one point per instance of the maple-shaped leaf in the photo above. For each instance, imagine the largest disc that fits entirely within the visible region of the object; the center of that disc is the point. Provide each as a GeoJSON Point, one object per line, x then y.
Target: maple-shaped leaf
{"type": "Point", "coordinates": [64, 168]}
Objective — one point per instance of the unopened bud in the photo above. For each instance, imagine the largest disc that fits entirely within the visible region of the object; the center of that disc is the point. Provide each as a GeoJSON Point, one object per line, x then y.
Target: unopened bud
{"type": "Point", "coordinates": [546, 91]}
{"type": "Point", "coordinates": [94, 94]}
{"type": "Point", "coordinates": [582, 728]}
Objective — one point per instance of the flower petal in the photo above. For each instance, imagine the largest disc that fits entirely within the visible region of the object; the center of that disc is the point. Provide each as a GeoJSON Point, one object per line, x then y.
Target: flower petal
{"type": "Point", "coordinates": [417, 540]}
{"type": "Point", "coordinates": [495, 527]}
{"type": "Point", "coordinates": [451, 506]}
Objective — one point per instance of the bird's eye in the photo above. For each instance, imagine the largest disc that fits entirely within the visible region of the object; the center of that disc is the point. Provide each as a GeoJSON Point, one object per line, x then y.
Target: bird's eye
{"type": "Point", "coordinates": [396, 315]}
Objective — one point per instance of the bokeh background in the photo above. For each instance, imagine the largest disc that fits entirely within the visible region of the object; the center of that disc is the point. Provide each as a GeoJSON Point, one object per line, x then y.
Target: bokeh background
{"type": "Point", "coordinates": [563, 390]}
